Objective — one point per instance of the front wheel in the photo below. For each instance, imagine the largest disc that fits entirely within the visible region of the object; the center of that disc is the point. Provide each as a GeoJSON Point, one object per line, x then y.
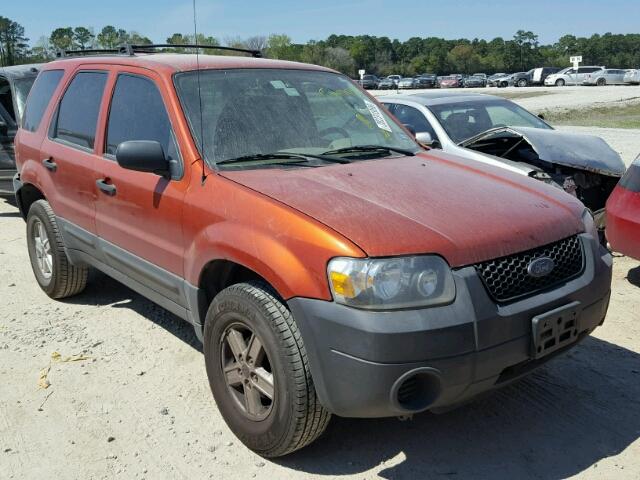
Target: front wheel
{"type": "Point", "coordinates": [258, 371]}
{"type": "Point", "coordinates": [601, 82]}
{"type": "Point", "coordinates": [522, 82]}
{"type": "Point", "coordinates": [560, 82]}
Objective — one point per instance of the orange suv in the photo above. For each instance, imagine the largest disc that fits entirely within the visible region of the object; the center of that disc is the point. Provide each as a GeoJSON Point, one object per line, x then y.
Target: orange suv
{"type": "Point", "coordinates": [329, 264]}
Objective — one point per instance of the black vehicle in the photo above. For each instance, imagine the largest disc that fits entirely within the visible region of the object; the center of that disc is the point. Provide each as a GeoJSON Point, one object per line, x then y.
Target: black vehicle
{"type": "Point", "coordinates": [475, 81]}
{"type": "Point", "coordinates": [15, 83]}
{"type": "Point", "coordinates": [541, 73]}
{"type": "Point", "coordinates": [369, 82]}
{"type": "Point", "coordinates": [521, 79]}
{"type": "Point", "coordinates": [426, 80]}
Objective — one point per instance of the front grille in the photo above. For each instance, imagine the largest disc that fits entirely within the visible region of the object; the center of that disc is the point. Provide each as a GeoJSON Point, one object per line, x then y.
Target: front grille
{"type": "Point", "coordinates": [507, 278]}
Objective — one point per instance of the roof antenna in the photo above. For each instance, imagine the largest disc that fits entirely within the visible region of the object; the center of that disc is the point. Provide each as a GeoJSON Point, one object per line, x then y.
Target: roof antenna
{"type": "Point", "coordinates": [195, 35]}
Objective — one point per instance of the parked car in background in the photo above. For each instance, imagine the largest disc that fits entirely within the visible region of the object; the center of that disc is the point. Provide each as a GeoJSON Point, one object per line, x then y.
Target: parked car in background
{"type": "Point", "coordinates": [426, 80]}
{"type": "Point", "coordinates": [475, 81]}
{"type": "Point", "coordinates": [483, 75]}
{"type": "Point", "coordinates": [500, 81]}
{"type": "Point", "coordinates": [541, 73]}
{"type": "Point", "coordinates": [610, 76]}
{"type": "Point", "coordinates": [571, 76]}
{"type": "Point", "coordinates": [623, 213]}
{"type": "Point", "coordinates": [493, 79]}
{"type": "Point", "coordinates": [521, 79]}
{"type": "Point", "coordinates": [407, 83]}
{"type": "Point", "coordinates": [451, 81]}
{"type": "Point", "coordinates": [632, 77]}
{"type": "Point", "coordinates": [497, 131]}
{"type": "Point", "coordinates": [369, 82]}
{"type": "Point", "coordinates": [328, 263]}
{"type": "Point", "coordinates": [387, 84]}
{"type": "Point", "coordinates": [395, 78]}
{"type": "Point", "coordinates": [15, 83]}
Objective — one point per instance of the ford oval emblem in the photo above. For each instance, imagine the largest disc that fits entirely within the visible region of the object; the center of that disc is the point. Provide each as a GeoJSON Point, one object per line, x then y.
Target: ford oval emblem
{"type": "Point", "coordinates": [540, 267]}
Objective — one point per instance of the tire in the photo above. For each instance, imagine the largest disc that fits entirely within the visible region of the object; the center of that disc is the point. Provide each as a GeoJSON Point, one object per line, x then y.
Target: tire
{"type": "Point", "coordinates": [560, 82]}
{"type": "Point", "coordinates": [522, 82]}
{"type": "Point", "coordinates": [293, 417]}
{"type": "Point", "coordinates": [55, 274]}
{"type": "Point", "coordinates": [601, 82]}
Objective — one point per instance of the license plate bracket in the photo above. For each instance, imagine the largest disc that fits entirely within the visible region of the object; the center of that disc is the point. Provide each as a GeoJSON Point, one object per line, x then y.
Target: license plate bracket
{"type": "Point", "coordinates": [555, 329]}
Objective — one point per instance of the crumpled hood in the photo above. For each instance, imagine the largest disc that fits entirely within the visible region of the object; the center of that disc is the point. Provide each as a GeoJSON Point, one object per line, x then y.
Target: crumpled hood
{"type": "Point", "coordinates": [432, 203]}
{"type": "Point", "coordinates": [577, 150]}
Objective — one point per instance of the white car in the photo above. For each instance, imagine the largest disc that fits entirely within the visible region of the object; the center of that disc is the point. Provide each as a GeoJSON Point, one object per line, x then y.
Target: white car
{"type": "Point", "coordinates": [570, 76]}
{"type": "Point", "coordinates": [632, 77]}
{"type": "Point", "coordinates": [496, 131]}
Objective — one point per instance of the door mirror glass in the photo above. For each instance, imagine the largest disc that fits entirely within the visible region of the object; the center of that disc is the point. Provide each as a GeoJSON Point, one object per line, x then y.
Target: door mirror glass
{"type": "Point", "coordinates": [424, 138]}
{"type": "Point", "coordinates": [143, 156]}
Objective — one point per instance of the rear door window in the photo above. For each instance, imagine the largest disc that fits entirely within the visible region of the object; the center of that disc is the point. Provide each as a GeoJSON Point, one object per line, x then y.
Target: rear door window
{"type": "Point", "coordinates": [79, 108]}
{"type": "Point", "coordinates": [39, 98]}
{"type": "Point", "coordinates": [137, 112]}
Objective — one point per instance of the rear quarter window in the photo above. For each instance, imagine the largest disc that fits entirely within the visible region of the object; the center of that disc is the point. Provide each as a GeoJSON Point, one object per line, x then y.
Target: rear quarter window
{"type": "Point", "coordinates": [78, 110]}
{"type": "Point", "coordinates": [39, 98]}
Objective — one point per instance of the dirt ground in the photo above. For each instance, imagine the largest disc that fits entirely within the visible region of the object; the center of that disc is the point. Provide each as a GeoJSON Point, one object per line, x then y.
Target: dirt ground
{"type": "Point", "coordinates": [128, 397]}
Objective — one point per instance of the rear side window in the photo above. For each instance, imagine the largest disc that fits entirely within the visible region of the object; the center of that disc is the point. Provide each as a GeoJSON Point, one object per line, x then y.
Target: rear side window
{"type": "Point", "coordinates": [39, 98]}
{"type": "Point", "coordinates": [78, 111]}
{"type": "Point", "coordinates": [138, 113]}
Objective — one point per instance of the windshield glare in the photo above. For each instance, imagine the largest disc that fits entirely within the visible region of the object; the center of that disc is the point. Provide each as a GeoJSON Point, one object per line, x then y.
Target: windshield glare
{"type": "Point", "coordinates": [465, 120]}
{"type": "Point", "coordinates": [263, 111]}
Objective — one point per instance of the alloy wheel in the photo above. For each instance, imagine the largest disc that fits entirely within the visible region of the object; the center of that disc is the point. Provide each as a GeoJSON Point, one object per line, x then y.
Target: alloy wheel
{"type": "Point", "coordinates": [42, 247]}
{"type": "Point", "coordinates": [247, 371]}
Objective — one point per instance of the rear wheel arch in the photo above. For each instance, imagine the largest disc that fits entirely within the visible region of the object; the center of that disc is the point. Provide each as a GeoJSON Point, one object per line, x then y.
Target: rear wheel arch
{"type": "Point", "coordinates": [27, 196]}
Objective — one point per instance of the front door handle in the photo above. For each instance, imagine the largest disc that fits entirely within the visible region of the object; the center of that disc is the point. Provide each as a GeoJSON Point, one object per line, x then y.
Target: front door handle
{"type": "Point", "coordinates": [107, 188]}
{"type": "Point", "coordinates": [49, 164]}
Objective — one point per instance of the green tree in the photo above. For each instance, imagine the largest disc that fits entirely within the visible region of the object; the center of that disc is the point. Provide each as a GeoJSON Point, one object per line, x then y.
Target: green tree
{"type": "Point", "coordinates": [108, 37]}
{"type": "Point", "coordinates": [83, 37]}
{"type": "Point", "coordinates": [13, 43]}
{"type": "Point", "coordinates": [62, 38]}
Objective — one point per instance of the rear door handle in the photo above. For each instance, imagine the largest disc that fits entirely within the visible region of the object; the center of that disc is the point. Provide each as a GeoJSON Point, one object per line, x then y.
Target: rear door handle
{"type": "Point", "coordinates": [49, 164]}
{"type": "Point", "coordinates": [107, 188]}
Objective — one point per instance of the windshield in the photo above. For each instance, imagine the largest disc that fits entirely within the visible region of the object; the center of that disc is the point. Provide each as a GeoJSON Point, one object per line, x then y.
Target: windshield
{"type": "Point", "coordinates": [465, 120]}
{"type": "Point", "coordinates": [263, 111]}
{"type": "Point", "coordinates": [22, 87]}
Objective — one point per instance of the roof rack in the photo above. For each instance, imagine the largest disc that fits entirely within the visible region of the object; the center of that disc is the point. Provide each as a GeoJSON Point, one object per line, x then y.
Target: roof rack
{"type": "Point", "coordinates": [131, 50]}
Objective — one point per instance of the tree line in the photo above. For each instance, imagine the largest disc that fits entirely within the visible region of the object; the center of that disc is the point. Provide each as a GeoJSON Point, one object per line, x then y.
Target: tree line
{"type": "Point", "coordinates": [348, 53]}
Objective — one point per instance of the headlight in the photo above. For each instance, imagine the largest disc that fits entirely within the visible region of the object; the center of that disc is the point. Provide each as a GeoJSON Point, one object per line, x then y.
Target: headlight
{"type": "Point", "coordinates": [391, 283]}
{"type": "Point", "coordinates": [589, 223]}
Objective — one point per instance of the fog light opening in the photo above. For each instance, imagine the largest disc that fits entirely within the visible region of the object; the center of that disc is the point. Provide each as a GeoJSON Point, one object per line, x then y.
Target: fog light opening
{"type": "Point", "coordinates": [417, 390]}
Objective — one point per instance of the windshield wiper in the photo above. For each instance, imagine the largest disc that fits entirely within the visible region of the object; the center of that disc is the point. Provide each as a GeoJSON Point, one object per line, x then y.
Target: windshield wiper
{"type": "Point", "coordinates": [369, 148]}
{"type": "Point", "coordinates": [295, 158]}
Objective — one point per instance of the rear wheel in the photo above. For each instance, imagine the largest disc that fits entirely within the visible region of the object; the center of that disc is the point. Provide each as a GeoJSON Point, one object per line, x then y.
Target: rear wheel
{"type": "Point", "coordinates": [560, 82]}
{"type": "Point", "coordinates": [258, 371]}
{"type": "Point", "coordinates": [51, 267]}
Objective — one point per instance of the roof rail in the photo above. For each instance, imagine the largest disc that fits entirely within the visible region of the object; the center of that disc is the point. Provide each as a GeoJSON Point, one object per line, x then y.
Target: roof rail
{"type": "Point", "coordinates": [87, 51]}
{"type": "Point", "coordinates": [131, 49]}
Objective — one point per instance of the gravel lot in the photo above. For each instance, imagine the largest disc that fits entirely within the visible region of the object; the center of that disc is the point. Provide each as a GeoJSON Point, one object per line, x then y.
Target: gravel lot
{"type": "Point", "coordinates": [128, 397]}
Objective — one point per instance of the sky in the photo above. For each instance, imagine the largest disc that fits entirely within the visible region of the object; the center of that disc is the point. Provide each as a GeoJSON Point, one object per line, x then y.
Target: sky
{"type": "Point", "coordinates": [304, 21]}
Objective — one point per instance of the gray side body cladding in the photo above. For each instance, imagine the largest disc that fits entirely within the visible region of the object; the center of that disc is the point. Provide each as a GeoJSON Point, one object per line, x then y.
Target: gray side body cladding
{"type": "Point", "coordinates": [158, 285]}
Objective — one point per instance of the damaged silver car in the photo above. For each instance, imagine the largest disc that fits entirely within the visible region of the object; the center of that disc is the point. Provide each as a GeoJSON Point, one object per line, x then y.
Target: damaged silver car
{"type": "Point", "coordinates": [499, 132]}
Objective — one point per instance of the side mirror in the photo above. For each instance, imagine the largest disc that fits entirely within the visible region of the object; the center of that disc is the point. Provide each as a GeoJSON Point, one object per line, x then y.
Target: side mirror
{"type": "Point", "coordinates": [425, 138]}
{"type": "Point", "coordinates": [541, 116]}
{"type": "Point", "coordinates": [143, 156]}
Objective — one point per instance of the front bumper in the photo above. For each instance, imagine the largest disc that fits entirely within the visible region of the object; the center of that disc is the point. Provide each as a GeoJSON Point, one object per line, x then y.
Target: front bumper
{"type": "Point", "coordinates": [362, 361]}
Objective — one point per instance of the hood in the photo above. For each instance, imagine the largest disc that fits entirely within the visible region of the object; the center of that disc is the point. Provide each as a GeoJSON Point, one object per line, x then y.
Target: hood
{"type": "Point", "coordinates": [586, 152]}
{"type": "Point", "coordinates": [431, 203]}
